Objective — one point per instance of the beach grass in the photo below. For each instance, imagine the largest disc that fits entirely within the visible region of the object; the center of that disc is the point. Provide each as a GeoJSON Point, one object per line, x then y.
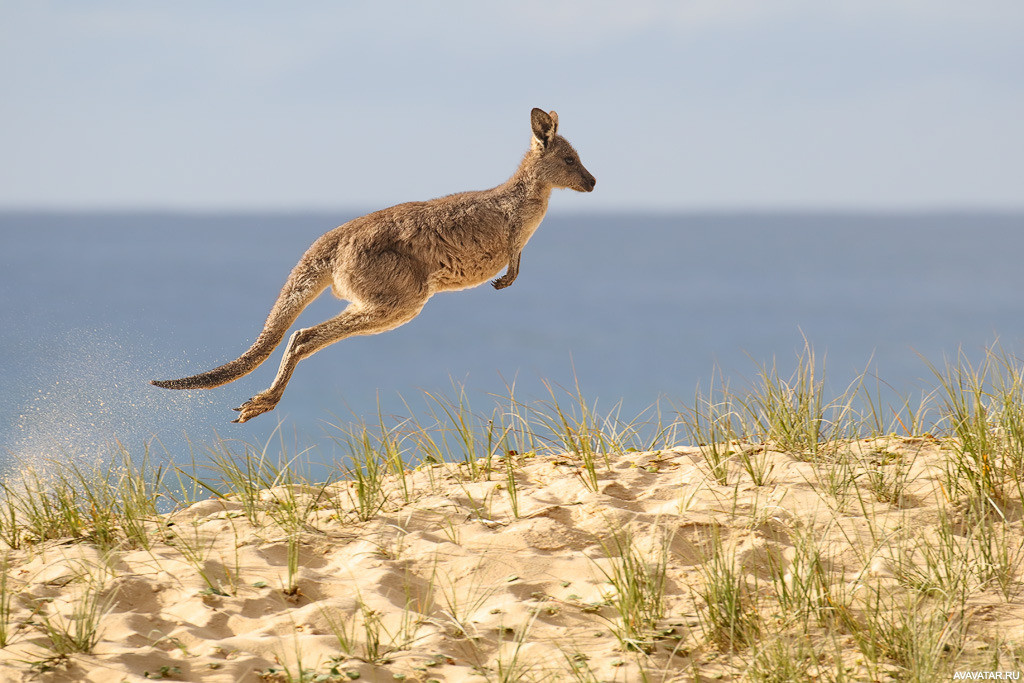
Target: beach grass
{"type": "Point", "coordinates": [776, 532]}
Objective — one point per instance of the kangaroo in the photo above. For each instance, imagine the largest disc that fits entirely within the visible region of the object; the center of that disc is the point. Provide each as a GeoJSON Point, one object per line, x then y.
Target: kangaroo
{"type": "Point", "coordinates": [388, 263]}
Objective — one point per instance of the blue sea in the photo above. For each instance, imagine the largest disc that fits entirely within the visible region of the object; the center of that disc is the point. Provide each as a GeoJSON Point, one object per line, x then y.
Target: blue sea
{"type": "Point", "coordinates": [634, 308]}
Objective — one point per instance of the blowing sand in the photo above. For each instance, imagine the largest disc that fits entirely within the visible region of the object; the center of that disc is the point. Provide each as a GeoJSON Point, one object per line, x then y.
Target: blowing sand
{"type": "Point", "coordinates": [852, 565]}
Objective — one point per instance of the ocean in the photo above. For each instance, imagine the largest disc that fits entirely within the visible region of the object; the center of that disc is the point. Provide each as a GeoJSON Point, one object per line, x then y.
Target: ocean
{"type": "Point", "coordinates": [632, 308]}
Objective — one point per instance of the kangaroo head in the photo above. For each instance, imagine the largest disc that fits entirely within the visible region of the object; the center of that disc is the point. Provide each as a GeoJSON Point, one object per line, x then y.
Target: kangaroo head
{"type": "Point", "coordinates": [558, 164]}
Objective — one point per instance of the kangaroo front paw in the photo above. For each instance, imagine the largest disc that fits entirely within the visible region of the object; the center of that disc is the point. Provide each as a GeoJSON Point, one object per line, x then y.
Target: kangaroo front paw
{"type": "Point", "coordinates": [257, 405]}
{"type": "Point", "coordinates": [501, 283]}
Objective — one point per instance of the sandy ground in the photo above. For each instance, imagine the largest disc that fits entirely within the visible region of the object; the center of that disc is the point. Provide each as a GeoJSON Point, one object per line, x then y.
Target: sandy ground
{"type": "Point", "coordinates": [450, 581]}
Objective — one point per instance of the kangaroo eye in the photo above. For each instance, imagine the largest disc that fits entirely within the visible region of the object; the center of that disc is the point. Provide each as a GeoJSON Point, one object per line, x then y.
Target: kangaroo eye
{"type": "Point", "coordinates": [569, 161]}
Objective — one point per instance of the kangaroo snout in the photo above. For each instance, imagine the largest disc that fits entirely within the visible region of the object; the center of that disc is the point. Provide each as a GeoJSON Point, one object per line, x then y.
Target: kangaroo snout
{"type": "Point", "coordinates": [585, 182]}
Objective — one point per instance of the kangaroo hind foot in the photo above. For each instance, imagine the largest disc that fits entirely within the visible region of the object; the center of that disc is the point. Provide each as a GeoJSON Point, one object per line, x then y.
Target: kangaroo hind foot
{"type": "Point", "coordinates": [257, 405]}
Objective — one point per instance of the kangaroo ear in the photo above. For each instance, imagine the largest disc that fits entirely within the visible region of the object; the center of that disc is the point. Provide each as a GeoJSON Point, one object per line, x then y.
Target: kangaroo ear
{"type": "Point", "coordinates": [544, 126]}
{"type": "Point", "coordinates": [554, 119]}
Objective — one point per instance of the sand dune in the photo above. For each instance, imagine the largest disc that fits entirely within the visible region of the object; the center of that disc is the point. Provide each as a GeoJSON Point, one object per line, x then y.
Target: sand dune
{"type": "Point", "coordinates": [841, 566]}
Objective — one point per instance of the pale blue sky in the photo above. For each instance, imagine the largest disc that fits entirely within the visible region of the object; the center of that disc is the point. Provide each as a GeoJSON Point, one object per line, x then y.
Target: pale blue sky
{"type": "Point", "coordinates": [687, 104]}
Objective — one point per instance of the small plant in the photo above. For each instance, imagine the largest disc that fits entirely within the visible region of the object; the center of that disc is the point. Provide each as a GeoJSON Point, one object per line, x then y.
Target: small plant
{"type": "Point", "coordinates": [887, 475]}
{"type": "Point", "coordinates": [11, 527]}
{"type": "Point", "coordinates": [457, 434]}
{"type": "Point", "coordinates": [43, 508]}
{"type": "Point", "coordinates": [110, 503]}
{"type": "Point", "coordinates": [920, 638]}
{"type": "Point", "coordinates": [461, 597]}
{"type": "Point", "coordinates": [509, 668]}
{"type": "Point", "coordinates": [331, 672]}
{"type": "Point", "coordinates": [878, 419]}
{"type": "Point", "coordinates": [583, 433]}
{"type": "Point", "coordinates": [998, 554]}
{"type": "Point", "coordinates": [195, 548]}
{"type": "Point", "coordinates": [837, 476]}
{"type": "Point", "coordinates": [5, 603]}
{"type": "Point", "coordinates": [276, 487]}
{"type": "Point", "coordinates": [291, 587]}
{"type": "Point", "coordinates": [729, 618]}
{"type": "Point", "coordinates": [579, 667]}
{"type": "Point", "coordinates": [806, 587]}
{"type": "Point", "coordinates": [714, 432]}
{"type": "Point", "coordinates": [79, 631]}
{"type": "Point", "coordinates": [782, 660]}
{"type": "Point", "coordinates": [756, 462]}
{"type": "Point", "coordinates": [511, 487]}
{"type": "Point", "coordinates": [366, 488]}
{"type": "Point", "coordinates": [984, 406]}
{"type": "Point", "coordinates": [377, 642]}
{"type": "Point", "coordinates": [241, 476]}
{"type": "Point", "coordinates": [383, 443]}
{"type": "Point", "coordinates": [343, 629]}
{"type": "Point", "coordinates": [374, 651]}
{"type": "Point", "coordinates": [139, 497]}
{"type": "Point", "coordinates": [938, 564]}
{"type": "Point", "coordinates": [639, 584]}
{"type": "Point", "coordinates": [792, 414]}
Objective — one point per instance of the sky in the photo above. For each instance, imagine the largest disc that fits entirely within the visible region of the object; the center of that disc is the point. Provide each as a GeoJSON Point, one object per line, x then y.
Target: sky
{"type": "Point", "coordinates": [673, 105]}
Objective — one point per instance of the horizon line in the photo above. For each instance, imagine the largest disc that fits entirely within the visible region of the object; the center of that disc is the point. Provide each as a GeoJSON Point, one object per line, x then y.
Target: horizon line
{"type": "Point", "coordinates": [809, 209]}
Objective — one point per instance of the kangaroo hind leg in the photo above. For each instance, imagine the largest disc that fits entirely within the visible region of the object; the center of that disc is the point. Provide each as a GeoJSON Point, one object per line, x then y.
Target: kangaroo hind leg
{"type": "Point", "coordinates": [386, 288]}
{"type": "Point", "coordinates": [356, 319]}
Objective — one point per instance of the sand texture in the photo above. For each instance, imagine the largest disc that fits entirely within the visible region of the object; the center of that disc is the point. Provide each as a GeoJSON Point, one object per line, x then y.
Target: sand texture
{"type": "Point", "coordinates": [848, 564]}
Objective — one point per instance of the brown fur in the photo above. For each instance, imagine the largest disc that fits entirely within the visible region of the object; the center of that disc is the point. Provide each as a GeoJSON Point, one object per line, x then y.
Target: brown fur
{"type": "Point", "coordinates": [388, 263]}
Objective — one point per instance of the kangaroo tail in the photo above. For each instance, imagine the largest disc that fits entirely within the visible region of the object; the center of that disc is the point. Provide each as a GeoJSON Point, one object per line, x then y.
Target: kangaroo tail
{"type": "Point", "coordinates": [229, 372]}
{"type": "Point", "coordinates": [302, 287]}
